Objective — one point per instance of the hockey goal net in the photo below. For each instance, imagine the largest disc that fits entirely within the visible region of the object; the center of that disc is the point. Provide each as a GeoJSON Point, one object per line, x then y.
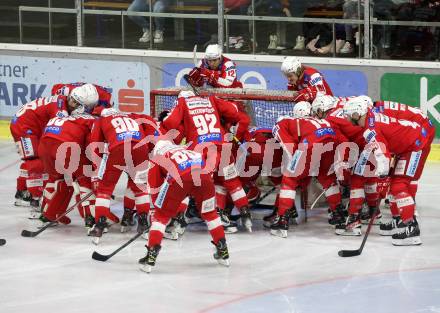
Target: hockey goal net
{"type": "Point", "coordinates": [263, 106]}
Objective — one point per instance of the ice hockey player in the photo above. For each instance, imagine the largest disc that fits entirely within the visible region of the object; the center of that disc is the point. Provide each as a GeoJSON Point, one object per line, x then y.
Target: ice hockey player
{"type": "Point", "coordinates": [362, 188]}
{"type": "Point", "coordinates": [104, 94]}
{"type": "Point", "coordinates": [122, 135]}
{"type": "Point", "coordinates": [403, 112]}
{"type": "Point", "coordinates": [215, 70]}
{"type": "Point", "coordinates": [306, 80]}
{"type": "Point", "coordinates": [62, 151]}
{"type": "Point", "coordinates": [309, 144]}
{"type": "Point", "coordinates": [200, 118]}
{"type": "Point", "coordinates": [27, 127]}
{"type": "Point", "coordinates": [177, 173]}
{"type": "Point", "coordinates": [411, 143]}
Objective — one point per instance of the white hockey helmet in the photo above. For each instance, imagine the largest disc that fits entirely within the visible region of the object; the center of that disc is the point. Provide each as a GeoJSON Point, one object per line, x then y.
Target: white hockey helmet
{"type": "Point", "coordinates": [323, 103]}
{"type": "Point", "coordinates": [86, 95]}
{"type": "Point", "coordinates": [302, 109]}
{"type": "Point", "coordinates": [213, 52]}
{"type": "Point", "coordinates": [359, 105]}
{"type": "Point", "coordinates": [292, 65]}
{"type": "Point", "coordinates": [186, 94]}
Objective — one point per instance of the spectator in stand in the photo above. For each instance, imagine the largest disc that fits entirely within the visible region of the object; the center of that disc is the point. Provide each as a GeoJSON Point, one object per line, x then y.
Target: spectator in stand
{"type": "Point", "coordinates": [351, 10]}
{"type": "Point", "coordinates": [159, 6]}
{"type": "Point", "coordinates": [239, 31]}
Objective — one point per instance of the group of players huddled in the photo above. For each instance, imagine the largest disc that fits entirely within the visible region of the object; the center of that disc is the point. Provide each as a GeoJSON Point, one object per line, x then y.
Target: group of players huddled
{"type": "Point", "coordinates": [203, 151]}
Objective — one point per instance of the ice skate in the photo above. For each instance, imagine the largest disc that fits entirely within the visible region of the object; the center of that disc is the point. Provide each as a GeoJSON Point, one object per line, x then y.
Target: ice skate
{"type": "Point", "coordinates": [180, 224]}
{"type": "Point", "coordinates": [410, 236]}
{"type": "Point", "coordinates": [336, 217]}
{"type": "Point", "coordinates": [352, 226]}
{"type": "Point", "coordinates": [35, 209]}
{"type": "Point", "coordinates": [229, 226]}
{"type": "Point", "coordinates": [22, 198]}
{"type": "Point", "coordinates": [127, 220]}
{"type": "Point", "coordinates": [143, 225]}
{"type": "Point", "coordinates": [89, 222]}
{"type": "Point", "coordinates": [389, 228]}
{"type": "Point", "coordinates": [148, 261]}
{"type": "Point", "coordinates": [98, 229]}
{"type": "Point", "coordinates": [246, 218]}
{"type": "Point", "coordinates": [367, 214]}
{"type": "Point", "coordinates": [45, 221]}
{"type": "Point", "coordinates": [170, 231]}
{"type": "Point", "coordinates": [268, 219]}
{"type": "Point", "coordinates": [221, 254]}
{"type": "Point", "coordinates": [279, 226]}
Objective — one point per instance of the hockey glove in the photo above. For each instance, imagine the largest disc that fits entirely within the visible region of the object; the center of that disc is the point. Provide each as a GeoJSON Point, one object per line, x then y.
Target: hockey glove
{"type": "Point", "coordinates": [195, 77]}
{"type": "Point", "coordinates": [209, 75]}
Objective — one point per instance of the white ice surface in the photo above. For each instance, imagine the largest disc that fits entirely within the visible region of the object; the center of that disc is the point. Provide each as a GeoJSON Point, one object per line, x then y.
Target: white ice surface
{"type": "Point", "coordinates": [54, 272]}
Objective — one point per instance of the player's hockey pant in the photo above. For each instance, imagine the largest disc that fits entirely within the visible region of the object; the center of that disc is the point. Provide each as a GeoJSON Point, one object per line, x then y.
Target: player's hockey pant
{"type": "Point", "coordinates": [408, 169]}
{"type": "Point", "coordinates": [114, 168]}
{"type": "Point", "coordinates": [171, 195]}
{"type": "Point", "coordinates": [290, 183]}
{"type": "Point", "coordinates": [361, 189]}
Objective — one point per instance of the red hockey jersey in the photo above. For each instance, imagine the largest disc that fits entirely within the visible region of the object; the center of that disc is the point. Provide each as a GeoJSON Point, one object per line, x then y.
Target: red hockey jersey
{"type": "Point", "coordinates": [105, 95]}
{"type": "Point", "coordinates": [224, 77]}
{"type": "Point", "coordinates": [31, 118]}
{"type": "Point", "coordinates": [345, 130]}
{"type": "Point", "coordinates": [74, 128]}
{"type": "Point", "coordinates": [309, 85]}
{"type": "Point", "coordinates": [306, 131]}
{"type": "Point", "coordinates": [115, 127]}
{"type": "Point", "coordinates": [201, 119]}
{"type": "Point", "coordinates": [402, 112]}
{"type": "Point", "coordinates": [398, 136]}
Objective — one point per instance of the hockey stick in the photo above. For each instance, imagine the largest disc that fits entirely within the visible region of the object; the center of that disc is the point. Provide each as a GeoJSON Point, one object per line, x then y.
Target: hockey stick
{"type": "Point", "coordinates": [265, 195]}
{"type": "Point", "coordinates": [350, 253]}
{"type": "Point", "coordinates": [27, 233]}
{"type": "Point", "coordinates": [317, 199]}
{"type": "Point", "coordinates": [196, 63]}
{"type": "Point", "coordinates": [101, 257]}
{"type": "Point", "coordinates": [2, 242]}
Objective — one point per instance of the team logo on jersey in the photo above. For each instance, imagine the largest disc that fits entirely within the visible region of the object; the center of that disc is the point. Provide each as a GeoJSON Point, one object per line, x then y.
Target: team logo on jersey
{"type": "Point", "coordinates": [369, 135]}
{"type": "Point", "coordinates": [413, 163]}
{"type": "Point", "coordinates": [190, 163]}
{"type": "Point", "coordinates": [52, 129]}
{"type": "Point", "coordinates": [209, 138]}
{"type": "Point", "coordinates": [315, 78]}
{"type": "Point", "coordinates": [60, 102]}
{"type": "Point", "coordinates": [129, 135]}
{"type": "Point", "coordinates": [26, 144]}
{"type": "Point", "coordinates": [324, 132]}
{"type": "Point", "coordinates": [371, 121]}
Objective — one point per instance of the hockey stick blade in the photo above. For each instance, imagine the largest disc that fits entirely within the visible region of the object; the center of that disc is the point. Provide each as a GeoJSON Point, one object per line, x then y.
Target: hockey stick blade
{"type": "Point", "coordinates": [2, 242]}
{"type": "Point", "coordinates": [100, 257]}
{"type": "Point", "coordinates": [348, 253]}
{"type": "Point", "coordinates": [28, 233]}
